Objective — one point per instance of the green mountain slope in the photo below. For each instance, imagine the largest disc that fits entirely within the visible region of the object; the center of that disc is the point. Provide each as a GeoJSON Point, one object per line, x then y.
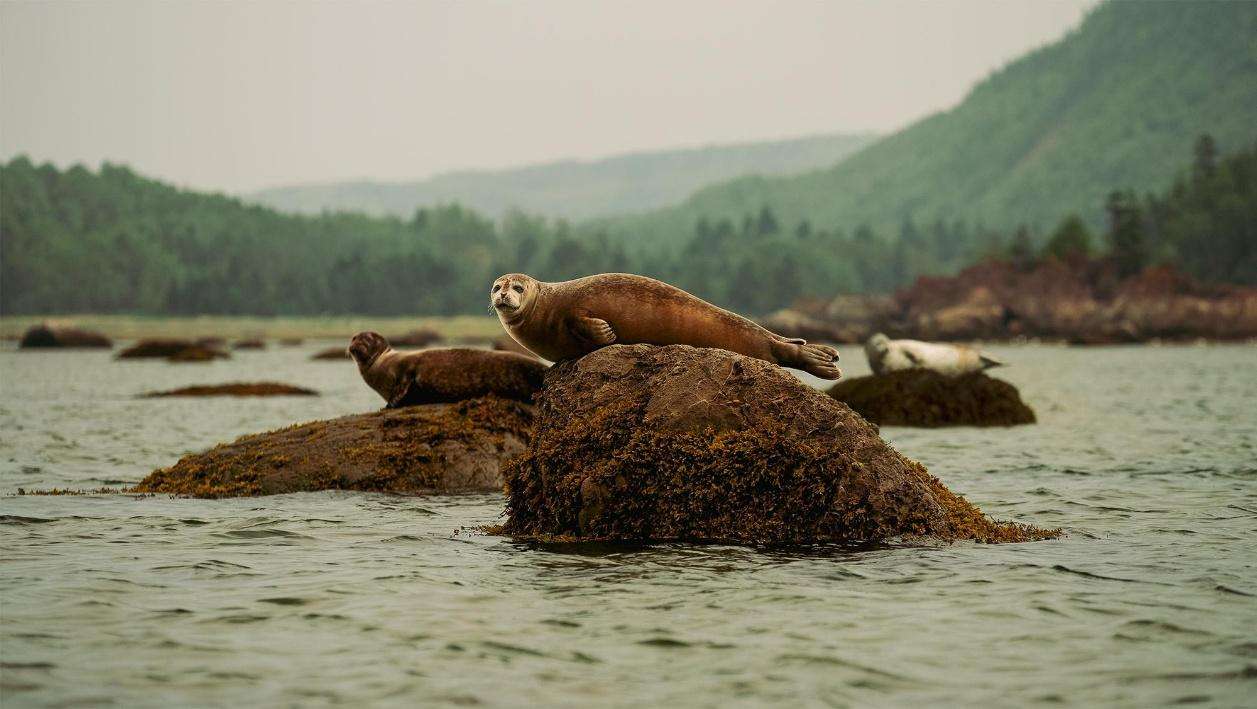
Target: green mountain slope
{"type": "Point", "coordinates": [1111, 104]}
{"type": "Point", "coordinates": [573, 189]}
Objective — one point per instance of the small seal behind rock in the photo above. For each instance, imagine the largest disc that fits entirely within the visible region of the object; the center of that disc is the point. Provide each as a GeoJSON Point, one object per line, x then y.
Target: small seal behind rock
{"type": "Point", "coordinates": [443, 375]}
{"type": "Point", "coordinates": [887, 355]}
{"type": "Point", "coordinates": [566, 320]}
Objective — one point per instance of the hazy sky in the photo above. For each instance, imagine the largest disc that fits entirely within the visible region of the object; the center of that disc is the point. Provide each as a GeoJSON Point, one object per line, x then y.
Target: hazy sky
{"type": "Point", "coordinates": [241, 95]}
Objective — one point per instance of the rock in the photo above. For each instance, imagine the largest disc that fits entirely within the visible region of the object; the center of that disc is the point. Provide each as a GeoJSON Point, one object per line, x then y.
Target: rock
{"type": "Point", "coordinates": [251, 343]}
{"type": "Point", "coordinates": [680, 443]}
{"type": "Point", "coordinates": [436, 448]}
{"type": "Point", "coordinates": [332, 353]}
{"type": "Point", "coordinates": [922, 397]}
{"type": "Point", "coordinates": [290, 341]}
{"type": "Point", "coordinates": [236, 389]}
{"type": "Point", "coordinates": [197, 353]}
{"type": "Point", "coordinates": [177, 349]}
{"type": "Point", "coordinates": [417, 338]}
{"type": "Point", "coordinates": [45, 335]}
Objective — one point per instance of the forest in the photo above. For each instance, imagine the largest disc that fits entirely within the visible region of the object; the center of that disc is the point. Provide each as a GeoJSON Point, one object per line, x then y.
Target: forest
{"type": "Point", "coordinates": [112, 241]}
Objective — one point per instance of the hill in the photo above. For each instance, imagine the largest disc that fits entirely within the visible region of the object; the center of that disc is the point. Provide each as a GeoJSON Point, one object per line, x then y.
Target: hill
{"type": "Point", "coordinates": [1110, 105]}
{"type": "Point", "coordinates": [573, 189]}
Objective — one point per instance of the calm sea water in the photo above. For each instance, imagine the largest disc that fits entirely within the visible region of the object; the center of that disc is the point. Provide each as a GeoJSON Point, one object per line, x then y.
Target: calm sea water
{"type": "Point", "coordinates": [1146, 456]}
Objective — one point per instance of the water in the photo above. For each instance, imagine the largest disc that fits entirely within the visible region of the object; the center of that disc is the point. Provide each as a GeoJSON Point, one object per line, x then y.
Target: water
{"type": "Point", "coordinates": [1146, 456]}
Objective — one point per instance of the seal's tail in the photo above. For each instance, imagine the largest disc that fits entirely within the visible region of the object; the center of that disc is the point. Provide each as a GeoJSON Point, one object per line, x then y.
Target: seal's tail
{"type": "Point", "coordinates": [988, 361]}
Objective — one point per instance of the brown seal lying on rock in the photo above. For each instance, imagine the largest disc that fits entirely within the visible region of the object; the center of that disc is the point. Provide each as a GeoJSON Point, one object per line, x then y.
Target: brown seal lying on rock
{"type": "Point", "coordinates": [449, 374]}
{"type": "Point", "coordinates": [565, 320]}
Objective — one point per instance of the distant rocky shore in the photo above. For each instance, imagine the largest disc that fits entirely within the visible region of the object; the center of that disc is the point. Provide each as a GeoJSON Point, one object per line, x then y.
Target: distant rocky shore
{"type": "Point", "coordinates": [1078, 301]}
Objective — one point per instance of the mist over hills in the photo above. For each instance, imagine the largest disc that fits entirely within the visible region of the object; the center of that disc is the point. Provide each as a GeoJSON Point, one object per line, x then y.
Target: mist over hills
{"type": "Point", "coordinates": [1111, 104]}
{"type": "Point", "coordinates": [573, 189]}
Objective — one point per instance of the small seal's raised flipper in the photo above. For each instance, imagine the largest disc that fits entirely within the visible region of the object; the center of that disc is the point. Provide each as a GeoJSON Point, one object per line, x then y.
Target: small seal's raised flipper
{"type": "Point", "coordinates": [594, 331]}
{"type": "Point", "coordinates": [988, 361]}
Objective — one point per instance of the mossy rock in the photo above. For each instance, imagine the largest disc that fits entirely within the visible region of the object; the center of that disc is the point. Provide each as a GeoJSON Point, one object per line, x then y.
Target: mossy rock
{"type": "Point", "coordinates": [650, 443]}
{"type": "Point", "coordinates": [435, 448]}
{"type": "Point", "coordinates": [924, 398]}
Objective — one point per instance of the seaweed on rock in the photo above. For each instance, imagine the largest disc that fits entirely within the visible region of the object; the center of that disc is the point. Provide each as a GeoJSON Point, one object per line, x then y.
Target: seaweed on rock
{"type": "Point", "coordinates": [680, 443]}
{"type": "Point", "coordinates": [921, 397]}
{"type": "Point", "coordinates": [436, 448]}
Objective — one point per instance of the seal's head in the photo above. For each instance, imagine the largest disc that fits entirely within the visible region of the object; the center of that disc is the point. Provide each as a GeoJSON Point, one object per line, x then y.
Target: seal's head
{"type": "Point", "coordinates": [513, 296]}
{"type": "Point", "coordinates": [877, 343]}
{"type": "Point", "coordinates": [366, 346]}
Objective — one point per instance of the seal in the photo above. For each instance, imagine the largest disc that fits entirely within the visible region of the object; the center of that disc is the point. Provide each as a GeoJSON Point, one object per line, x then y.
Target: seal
{"type": "Point", "coordinates": [443, 375]}
{"type": "Point", "coordinates": [569, 319]}
{"type": "Point", "coordinates": [887, 355]}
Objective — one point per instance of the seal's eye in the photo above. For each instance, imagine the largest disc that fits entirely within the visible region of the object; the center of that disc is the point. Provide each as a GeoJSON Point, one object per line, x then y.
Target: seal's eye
{"type": "Point", "coordinates": [517, 288]}
{"type": "Point", "coordinates": [496, 289]}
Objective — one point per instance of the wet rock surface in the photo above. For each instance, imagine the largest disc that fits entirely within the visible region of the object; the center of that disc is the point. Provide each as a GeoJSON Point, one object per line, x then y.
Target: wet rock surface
{"type": "Point", "coordinates": [924, 398]}
{"type": "Point", "coordinates": [679, 443]}
{"type": "Point", "coordinates": [236, 389]}
{"type": "Point", "coordinates": [174, 350]}
{"type": "Point", "coordinates": [48, 336]}
{"type": "Point", "coordinates": [437, 448]}
{"type": "Point", "coordinates": [332, 353]}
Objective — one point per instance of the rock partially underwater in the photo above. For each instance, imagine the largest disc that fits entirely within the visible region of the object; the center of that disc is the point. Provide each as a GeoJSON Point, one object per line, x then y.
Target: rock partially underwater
{"type": "Point", "coordinates": [436, 448]}
{"type": "Point", "coordinates": [175, 350]}
{"type": "Point", "coordinates": [678, 443]}
{"type": "Point", "coordinates": [924, 398]}
{"type": "Point", "coordinates": [235, 389]}
{"type": "Point", "coordinates": [47, 336]}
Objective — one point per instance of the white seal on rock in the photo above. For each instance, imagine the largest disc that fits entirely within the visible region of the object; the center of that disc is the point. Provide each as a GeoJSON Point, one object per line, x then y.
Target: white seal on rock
{"type": "Point", "coordinates": [887, 355]}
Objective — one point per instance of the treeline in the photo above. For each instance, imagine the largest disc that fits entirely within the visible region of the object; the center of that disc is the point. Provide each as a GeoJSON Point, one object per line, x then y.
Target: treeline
{"type": "Point", "coordinates": [113, 241]}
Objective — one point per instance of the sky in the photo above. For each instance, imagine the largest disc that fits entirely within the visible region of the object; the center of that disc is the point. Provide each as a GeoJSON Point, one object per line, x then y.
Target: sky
{"type": "Point", "coordinates": [236, 96]}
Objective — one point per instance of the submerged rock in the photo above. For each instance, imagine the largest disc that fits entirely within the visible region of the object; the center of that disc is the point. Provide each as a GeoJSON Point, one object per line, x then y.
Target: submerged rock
{"type": "Point", "coordinates": [331, 353]}
{"type": "Point", "coordinates": [436, 448]}
{"type": "Point", "coordinates": [252, 343]}
{"type": "Point", "coordinates": [47, 336]}
{"type": "Point", "coordinates": [680, 443]}
{"type": "Point", "coordinates": [925, 398]}
{"type": "Point", "coordinates": [174, 349]}
{"type": "Point", "coordinates": [236, 389]}
{"type": "Point", "coordinates": [417, 338]}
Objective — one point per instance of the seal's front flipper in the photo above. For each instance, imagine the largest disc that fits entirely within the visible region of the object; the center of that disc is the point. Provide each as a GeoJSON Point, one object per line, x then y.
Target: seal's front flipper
{"type": "Point", "coordinates": [594, 331]}
{"type": "Point", "coordinates": [400, 392]}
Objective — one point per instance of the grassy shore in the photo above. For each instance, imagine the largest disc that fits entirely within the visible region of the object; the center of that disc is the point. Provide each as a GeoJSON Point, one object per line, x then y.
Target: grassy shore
{"type": "Point", "coordinates": [126, 327]}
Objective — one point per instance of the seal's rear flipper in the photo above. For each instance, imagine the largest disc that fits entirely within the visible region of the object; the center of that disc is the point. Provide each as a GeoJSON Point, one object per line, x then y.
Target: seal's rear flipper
{"type": "Point", "coordinates": [988, 361]}
{"type": "Point", "coordinates": [814, 359]}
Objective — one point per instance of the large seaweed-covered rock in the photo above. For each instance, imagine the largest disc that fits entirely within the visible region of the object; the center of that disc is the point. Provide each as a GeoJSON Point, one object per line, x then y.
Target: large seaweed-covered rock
{"type": "Point", "coordinates": [45, 335]}
{"type": "Point", "coordinates": [921, 397]}
{"type": "Point", "coordinates": [679, 443]}
{"type": "Point", "coordinates": [435, 448]}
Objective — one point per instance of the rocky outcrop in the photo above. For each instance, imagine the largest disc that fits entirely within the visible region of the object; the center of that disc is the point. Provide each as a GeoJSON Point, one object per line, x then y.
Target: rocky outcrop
{"type": "Point", "coordinates": [48, 336]}
{"type": "Point", "coordinates": [679, 443]}
{"type": "Point", "coordinates": [236, 389]}
{"type": "Point", "coordinates": [436, 448]}
{"type": "Point", "coordinates": [1076, 300]}
{"type": "Point", "coordinates": [921, 397]}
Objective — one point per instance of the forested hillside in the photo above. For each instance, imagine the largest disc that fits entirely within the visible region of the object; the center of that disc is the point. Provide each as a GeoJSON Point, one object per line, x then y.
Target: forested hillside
{"type": "Point", "coordinates": [1112, 104]}
{"type": "Point", "coordinates": [112, 241]}
{"type": "Point", "coordinates": [574, 189]}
